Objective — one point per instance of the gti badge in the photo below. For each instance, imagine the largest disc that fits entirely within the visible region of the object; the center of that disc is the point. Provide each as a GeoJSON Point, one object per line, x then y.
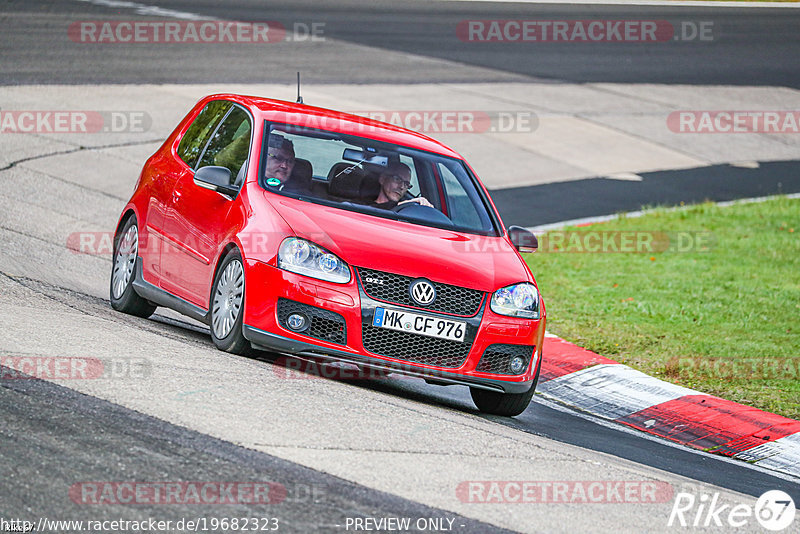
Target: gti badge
{"type": "Point", "coordinates": [422, 292]}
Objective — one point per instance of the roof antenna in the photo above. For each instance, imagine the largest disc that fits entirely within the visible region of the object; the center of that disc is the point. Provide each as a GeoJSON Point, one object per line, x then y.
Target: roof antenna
{"type": "Point", "coordinates": [299, 98]}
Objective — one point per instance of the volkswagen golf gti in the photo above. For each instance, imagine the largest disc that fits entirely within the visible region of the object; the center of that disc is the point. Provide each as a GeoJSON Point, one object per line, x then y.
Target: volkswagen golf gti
{"type": "Point", "coordinates": [317, 234]}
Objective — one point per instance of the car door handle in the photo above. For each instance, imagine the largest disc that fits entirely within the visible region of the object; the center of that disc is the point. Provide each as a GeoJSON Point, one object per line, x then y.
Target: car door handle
{"type": "Point", "coordinates": [176, 196]}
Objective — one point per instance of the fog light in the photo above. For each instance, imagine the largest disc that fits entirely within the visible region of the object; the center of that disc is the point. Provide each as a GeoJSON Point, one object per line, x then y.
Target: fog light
{"type": "Point", "coordinates": [297, 322]}
{"type": "Point", "coordinates": [517, 364]}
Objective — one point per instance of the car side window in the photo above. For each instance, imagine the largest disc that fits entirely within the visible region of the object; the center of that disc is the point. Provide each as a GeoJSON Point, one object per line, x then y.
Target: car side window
{"type": "Point", "coordinates": [462, 210]}
{"type": "Point", "coordinates": [415, 185]}
{"type": "Point", "coordinates": [196, 136]}
{"type": "Point", "coordinates": [229, 146]}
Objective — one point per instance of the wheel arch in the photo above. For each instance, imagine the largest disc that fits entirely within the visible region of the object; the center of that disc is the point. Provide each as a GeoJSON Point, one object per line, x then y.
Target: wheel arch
{"type": "Point", "coordinates": [220, 258]}
{"type": "Point", "coordinates": [126, 214]}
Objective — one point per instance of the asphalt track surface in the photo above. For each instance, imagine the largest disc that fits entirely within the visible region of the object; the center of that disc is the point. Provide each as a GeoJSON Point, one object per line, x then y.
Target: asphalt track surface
{"type": "Point", "coordinates": [85, 428]}
{"type": "Point", "coordinates": [749, 47]}
{"type": "Point", "coordinates": [592, 197]}
{"type": "Point", "coordinates": [81, 438]}
{"type": "Point", "coordinates": [53, 436]}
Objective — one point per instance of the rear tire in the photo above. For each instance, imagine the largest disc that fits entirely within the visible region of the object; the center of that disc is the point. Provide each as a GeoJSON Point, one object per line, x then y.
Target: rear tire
{"type": "Point", "coordinates": [123, 271]}
{"type": "Point", "coordinates": [505, 404]}
{"type": "Point", "coordinates": [227, 306]}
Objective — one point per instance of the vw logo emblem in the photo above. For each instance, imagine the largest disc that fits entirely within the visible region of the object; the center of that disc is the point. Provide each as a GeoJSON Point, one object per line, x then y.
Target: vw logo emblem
{"type": "Point", "coordinates": [422, 292]}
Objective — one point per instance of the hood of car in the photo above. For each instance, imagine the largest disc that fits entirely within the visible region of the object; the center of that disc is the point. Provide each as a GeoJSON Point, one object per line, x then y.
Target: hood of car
{"type": "Point", "coordinates": [467, 260]}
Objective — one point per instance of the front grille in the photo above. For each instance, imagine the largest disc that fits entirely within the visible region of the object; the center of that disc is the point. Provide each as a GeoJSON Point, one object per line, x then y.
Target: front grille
{"type": "Point", "coordinates": [325, 325]}
{"type": "Point", "coordinates": [415, 347]}
{"type": "Point", "coordinates": [497, 358]}
{"type": "Point", "coordinates": [389, 287]}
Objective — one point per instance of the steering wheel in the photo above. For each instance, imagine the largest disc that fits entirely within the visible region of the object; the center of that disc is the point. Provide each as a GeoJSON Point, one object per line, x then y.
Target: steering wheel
{"type": "Point", "coordinates": [419, 212]}
{"type": "Point", "coordinates": [401, 207]}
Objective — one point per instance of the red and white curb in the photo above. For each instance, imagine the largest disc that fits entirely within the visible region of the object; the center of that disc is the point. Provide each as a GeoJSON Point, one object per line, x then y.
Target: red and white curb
{"type": "Point", "coordinates": [602, 387]}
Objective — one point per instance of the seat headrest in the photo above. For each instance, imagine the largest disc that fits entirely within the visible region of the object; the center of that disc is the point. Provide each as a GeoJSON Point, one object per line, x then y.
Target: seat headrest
{"type": "Point", "coordinates": [344, 180]}
{"type": "Point", "coordinates": [370, 187]}
{"type": "Point", "coordinates": [300, 179]}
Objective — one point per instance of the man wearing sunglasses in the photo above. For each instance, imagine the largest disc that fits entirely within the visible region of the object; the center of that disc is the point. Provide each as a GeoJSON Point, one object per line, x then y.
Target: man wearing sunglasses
{"type": "Point", "coordinates": [395, 182]}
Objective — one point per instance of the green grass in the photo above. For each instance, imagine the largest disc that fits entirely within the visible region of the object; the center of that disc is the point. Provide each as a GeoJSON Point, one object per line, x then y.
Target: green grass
{"type": "Point", "coordinates": [724, 321]}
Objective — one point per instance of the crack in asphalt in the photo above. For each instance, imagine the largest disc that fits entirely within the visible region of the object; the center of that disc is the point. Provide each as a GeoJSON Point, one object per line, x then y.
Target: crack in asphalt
{"type": "Point", "coordinates": [76, 184]}
{"type": "Point", "coordinates": [99, 308]}
{"type": "Point", "coordinates": [393, 451]}
{"type": "Point", "coordinates": [81, 148]}
{"type": "Point", "coordinates": [43, 240]}
{"type": "Point", "coordinates": [21, 281]}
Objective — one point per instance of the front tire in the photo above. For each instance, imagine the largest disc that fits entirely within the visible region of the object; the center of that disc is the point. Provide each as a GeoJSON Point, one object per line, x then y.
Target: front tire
{"type": "Point", "coordinates": [227, 306]}
{"type": "Point", "coordinates": [123, 271]}
{"type": "Point", "coordinates": [505, 404]}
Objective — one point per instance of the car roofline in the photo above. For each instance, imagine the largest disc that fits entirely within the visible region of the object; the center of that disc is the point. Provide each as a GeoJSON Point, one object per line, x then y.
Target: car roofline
{"type": "Point", "coordinates": [273, 110]}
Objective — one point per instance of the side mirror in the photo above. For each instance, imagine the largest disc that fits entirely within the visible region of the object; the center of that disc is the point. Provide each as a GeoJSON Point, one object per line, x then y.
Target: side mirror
{"type": "Point", "coordinates": [216, 179]}
{"type": "Point", "coordinates": [522, 239]}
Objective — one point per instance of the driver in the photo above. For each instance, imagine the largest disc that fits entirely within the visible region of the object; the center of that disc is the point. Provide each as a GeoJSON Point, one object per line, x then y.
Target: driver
{"type": "Point", "coordinates": [395, 181]}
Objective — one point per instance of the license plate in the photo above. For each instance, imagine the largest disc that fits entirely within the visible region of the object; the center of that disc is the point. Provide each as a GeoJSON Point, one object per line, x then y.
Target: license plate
{"type": "Point", "coordinates": [419, 324]}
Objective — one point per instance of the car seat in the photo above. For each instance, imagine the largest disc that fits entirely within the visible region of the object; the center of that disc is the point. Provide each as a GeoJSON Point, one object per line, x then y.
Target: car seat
{"type": "Point", "coordinates": [300, 179]}
{"type": "Point", "coordinates": [351, 182]}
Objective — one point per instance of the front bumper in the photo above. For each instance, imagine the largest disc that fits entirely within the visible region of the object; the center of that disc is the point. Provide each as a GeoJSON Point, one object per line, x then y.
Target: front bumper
{"type": "Point", "coordinates": [266, 284]}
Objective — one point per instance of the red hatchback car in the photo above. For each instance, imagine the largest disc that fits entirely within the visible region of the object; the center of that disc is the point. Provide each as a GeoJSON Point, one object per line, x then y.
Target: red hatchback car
{"type": "Point", "coordinates": [318, 234]}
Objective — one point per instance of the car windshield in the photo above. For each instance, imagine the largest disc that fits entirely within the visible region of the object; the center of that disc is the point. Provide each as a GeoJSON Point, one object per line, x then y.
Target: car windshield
{"type": "Point", "coordinates": [374, 177]}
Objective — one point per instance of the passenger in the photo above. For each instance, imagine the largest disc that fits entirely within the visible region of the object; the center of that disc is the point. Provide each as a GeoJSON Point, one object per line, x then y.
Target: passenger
{"type": "Point", "coordinates": [395, 182]}
{"type": "Point", "coordinates": [280, 161]}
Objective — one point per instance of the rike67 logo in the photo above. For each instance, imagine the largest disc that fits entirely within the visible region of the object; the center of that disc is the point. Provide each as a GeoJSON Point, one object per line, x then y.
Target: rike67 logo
{"type": "Point", "coordinates": [774, 510]}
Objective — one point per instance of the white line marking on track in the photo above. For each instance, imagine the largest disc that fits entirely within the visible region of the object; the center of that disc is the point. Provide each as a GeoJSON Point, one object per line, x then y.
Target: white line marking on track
{"type": "Point", "coordinates": [626, 176]}
{"type": "Point", "coordinates": [782, 454]}
{"type": "Point", "coordinates": [144, 9]}
{"type": "Point", "coordinates": [612, 390]}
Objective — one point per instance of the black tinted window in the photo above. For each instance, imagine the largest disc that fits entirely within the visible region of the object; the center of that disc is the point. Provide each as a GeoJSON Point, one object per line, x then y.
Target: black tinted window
{"type": "Point", "coordinates": [195, 138]}
{"type": "Point", "coordinates": [230, 144]}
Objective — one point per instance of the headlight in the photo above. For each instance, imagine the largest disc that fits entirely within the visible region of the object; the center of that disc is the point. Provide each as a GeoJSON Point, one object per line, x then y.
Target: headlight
{"type": "Point", "coordinates": [304, 257]}
{"type": "Point", "coordinates": [520, 300]}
